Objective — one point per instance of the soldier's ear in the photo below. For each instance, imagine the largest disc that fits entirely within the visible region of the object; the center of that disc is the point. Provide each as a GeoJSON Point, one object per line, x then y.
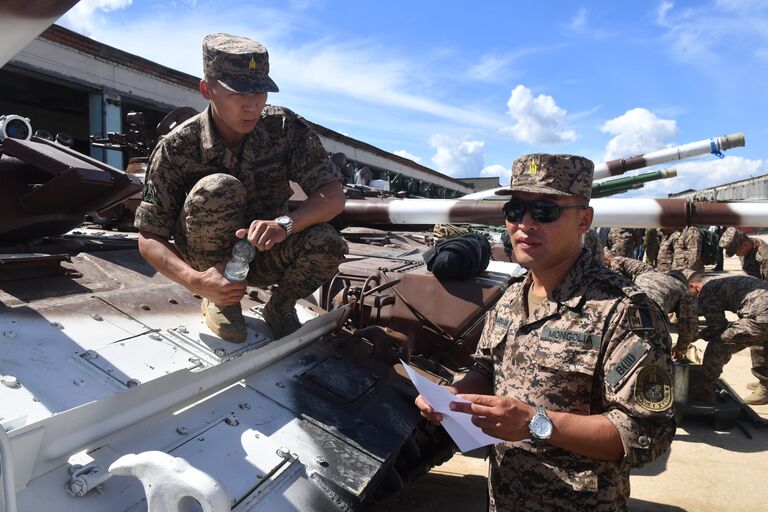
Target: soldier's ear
{"type": "Point", "coordinates": [585, 220]}
{"type": "Point", "coordinates": [205, 89]}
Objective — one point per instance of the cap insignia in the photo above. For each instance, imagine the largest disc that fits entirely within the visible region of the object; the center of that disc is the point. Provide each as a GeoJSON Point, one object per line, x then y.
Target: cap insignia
{"type": "Point", "coordinates": [252, 64]}
{"type": "Point", "coordinates": [533, 167]}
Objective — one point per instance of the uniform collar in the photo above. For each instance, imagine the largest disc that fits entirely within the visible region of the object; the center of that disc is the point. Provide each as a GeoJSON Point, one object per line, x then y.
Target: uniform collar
{"type": "Point", "coordinates": [211, 146]}
{"type": "Point", "coordinates": [569, 295]}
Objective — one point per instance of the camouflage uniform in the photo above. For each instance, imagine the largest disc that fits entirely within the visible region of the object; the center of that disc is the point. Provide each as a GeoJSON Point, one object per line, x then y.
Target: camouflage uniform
{"type": "Point", "coordinates": [688, 248]}
{"type": "Point", "coordinates": [597, 345]}
{"type": "Point", "coordinates": [621, 242]}
{"type": "Point", "coordinates": [670, 293]}
{"type": "Point", "coordinates": [746, 296]}
{"type": "Point", "coordinates": [594, 245]}
{"type": "Point", "coordinates": [199, 191]}
{"type": "Point", "coordinates": [754, 263]}
{"type": "Point", "coordinates": [666, 252]}
{"type": "Point", "coordinates": [629, 267]}
{"type": "Point", "coordinates": [651, 243]}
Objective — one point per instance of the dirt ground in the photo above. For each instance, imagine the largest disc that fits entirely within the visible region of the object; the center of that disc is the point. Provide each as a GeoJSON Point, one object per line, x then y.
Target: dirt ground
{"type": "Point", "coordinates": [705, 470]}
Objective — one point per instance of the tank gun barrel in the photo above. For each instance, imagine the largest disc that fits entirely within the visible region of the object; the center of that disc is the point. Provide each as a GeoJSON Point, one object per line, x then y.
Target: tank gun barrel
{"type": "Point", "coordinates": [21, 22]}
{"type": "Point", "coordinates": [715, 145]}
{"type": "Point", "coordinates": [631, 213]}
{"type": "Point", "coordinates": [619, 185]}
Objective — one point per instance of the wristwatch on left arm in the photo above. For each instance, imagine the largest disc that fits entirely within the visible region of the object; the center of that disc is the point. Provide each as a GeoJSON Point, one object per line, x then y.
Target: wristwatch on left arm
{"type": "Point", "coordinates": [286, 223]}
{"type": "Point", "coordinates": [540, 425]}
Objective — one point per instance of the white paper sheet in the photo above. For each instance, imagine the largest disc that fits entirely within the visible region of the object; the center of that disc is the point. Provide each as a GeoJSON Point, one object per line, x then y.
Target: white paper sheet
{"type": "Point", "coordinates": [459, 426]}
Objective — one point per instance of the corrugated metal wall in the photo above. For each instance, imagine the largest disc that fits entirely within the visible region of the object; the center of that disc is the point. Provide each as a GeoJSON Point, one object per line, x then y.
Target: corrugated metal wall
{"type": "Point", "coordinates": [751, 188]}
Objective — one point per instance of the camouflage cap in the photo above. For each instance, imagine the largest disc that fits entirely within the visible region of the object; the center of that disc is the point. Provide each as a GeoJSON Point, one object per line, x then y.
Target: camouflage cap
{"type": "Point", "coordinates": [238, 63]}
{"type": "Point", "coordinates": [555, 175]}
{"type": "Point", "coordinates": [731, 240]}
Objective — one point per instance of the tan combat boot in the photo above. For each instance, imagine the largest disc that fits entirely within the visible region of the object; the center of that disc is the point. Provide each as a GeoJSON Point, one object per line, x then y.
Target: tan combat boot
{"type": "Point", "coordinates": [281, 317]}
{"type": "Point", "coordinates": [753, 385]}
{"type": "Point", "coordinates": [759, 396]}
{"type": "Point", "coordinates": [226, 322]}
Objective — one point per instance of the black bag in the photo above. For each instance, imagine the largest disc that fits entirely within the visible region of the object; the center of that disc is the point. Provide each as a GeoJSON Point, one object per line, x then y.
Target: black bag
{"type": "Point", "coordinates": [462, 257]}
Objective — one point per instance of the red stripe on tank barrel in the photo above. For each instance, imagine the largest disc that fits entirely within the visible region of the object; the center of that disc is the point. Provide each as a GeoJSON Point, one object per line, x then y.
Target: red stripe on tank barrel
{"type": "Point", "coordinates": [477, 212]}
{"type": "Point", "coordinates": [714, 214]}
{"type": "Point", "coordinates": [365, 211]}
{"type": "Point", "coordinates": [674, 213]}
{"type": "Point", "coordinates": [616, 167]}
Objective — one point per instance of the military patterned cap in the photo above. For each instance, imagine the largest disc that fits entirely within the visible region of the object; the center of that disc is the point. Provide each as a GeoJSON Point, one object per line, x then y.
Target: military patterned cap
{"type": "Point", "coordinates": [555, 175]}
{"type": "Point", "coordinates": [731, 240]}
{"type": "Point", "coordinates": [238, 63]}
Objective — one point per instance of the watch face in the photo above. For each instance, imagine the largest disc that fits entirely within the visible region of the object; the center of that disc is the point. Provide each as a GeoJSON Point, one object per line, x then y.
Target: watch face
{"type": "Point", "coordinates": [541, 427]}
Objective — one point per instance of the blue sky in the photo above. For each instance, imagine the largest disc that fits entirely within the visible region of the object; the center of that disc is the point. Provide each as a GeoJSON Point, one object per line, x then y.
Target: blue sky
{"type": "Point", "coordinates": [464, 87]}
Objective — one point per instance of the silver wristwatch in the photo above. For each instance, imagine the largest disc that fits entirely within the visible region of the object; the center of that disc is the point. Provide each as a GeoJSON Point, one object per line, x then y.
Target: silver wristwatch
{"type": "Point", "coordinates": [286, 223]}
{"type": "Point", "coordinates": [540, 424]}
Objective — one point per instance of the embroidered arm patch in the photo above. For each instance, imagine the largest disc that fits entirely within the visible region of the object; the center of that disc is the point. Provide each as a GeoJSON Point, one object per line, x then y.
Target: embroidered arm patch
{"type": "Point", "coordinates": [653, 389]}
{"type": "Point", "coordinates": [640, 318]}
{"type": "Point", "coordinates": [626, 364]}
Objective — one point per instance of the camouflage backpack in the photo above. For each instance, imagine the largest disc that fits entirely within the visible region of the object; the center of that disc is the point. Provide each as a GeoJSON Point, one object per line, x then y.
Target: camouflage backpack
{"type": "Point", "coordinates": [710, 247]}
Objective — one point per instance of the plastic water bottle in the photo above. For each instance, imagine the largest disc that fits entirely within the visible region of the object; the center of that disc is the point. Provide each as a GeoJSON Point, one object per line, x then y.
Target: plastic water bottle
{"type": "Point", "coordinates": [242, 254]}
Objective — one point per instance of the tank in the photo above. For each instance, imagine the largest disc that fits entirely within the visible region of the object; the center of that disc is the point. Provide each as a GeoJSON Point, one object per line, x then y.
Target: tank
{"type": "Point", "coordinates": [116, 397]}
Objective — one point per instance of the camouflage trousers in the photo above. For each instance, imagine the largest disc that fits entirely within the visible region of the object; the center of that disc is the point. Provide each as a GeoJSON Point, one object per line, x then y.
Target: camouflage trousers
{"type": "Point", "coordinates": [759, 357]}
{"type": "Point", "coordinates": [664, 260]}
{"type": "Point", "coordinates": [739, 335]}
{"type": "Point", "coordinates": [651, 255]}
{"type": "Point", "coordinates": [205, 234]}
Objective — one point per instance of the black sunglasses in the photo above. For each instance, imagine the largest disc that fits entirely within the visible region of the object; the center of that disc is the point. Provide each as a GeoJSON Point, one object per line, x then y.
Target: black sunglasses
{"type": "Point", "coordinates": [541, 211]}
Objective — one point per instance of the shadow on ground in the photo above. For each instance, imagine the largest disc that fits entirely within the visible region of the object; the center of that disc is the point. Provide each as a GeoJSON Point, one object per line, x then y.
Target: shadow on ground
{"type": "Point", "coordinates": [439, 491]}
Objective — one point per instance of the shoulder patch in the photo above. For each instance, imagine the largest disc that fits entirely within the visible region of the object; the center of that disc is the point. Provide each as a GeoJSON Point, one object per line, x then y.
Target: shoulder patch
{"type": "Point", "coordinates": [653, 389]}
{"type": "Point", "coordinates": [502, 322]}
{"type": "Point", "coordinates": [626, 364]}
{"type": "Point", "coordinates": [640, 318]}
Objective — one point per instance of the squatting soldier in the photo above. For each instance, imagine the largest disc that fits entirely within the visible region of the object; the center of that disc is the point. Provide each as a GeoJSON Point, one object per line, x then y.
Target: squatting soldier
{"type": "Point", "coordinates": [594, 245]}
{"type": "Point", "coordinates": [573, 366]}
{"type": "Point", "coordinates": [225, 174]}
{"type": "Point", "coordinates": [651, 244]}
{"type": "Point", "coordinates": [753, 253]}
{"type": "Point", "coordinates": [668, 290]}
{"type": "Point", "coordinates": [621, 242]}
{"type": "Point", "coordinates": [666, 249]}
{"type": "Point", "coordinates": [688, 247]}
{"type": "Point", "coordinates": [746, 296]}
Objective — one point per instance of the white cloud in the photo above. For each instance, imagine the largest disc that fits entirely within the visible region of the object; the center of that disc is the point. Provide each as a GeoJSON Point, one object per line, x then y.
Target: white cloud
{"type": "Point", "coordinates": [403, 153]}
{"type": "Point", "coordinates": [579, 22]}
{"type": "Point", "coordinates": [456, 157]}
{"type": "Point", "coordinates": [504, 173]}
{"type": "Point", "coordinates": [539, 119]}
{"type": "Point", "coordinates": [637, 131]}
{"type": "Point", "coordinates": [489, 68]}
{"type": "Point", "coordinates": [702, 174]}
{"type": "Point", "coordinates": [87, 14]}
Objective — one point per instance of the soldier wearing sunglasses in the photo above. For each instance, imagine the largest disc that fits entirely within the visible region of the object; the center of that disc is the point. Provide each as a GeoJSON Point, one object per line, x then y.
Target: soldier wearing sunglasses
{"type": "Point", "coordinates": [573, 368]}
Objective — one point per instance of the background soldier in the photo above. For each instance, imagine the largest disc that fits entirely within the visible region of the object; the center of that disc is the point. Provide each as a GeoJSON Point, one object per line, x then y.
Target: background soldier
{"type": "Point", "coordinates": [753, 253]}
{"type": "Point", "coordinates": [651, 244]}
{"type": "Point", "coordinates": [688, 247]}
{"type": "Point", "coordinates": [621, 242]}
{"type": "Point", "coordinates": [594, 245]}
{"type": "Point", "coordinates": [225, 174]}
{"type": "Point", "coordinates": [666, 249]}
{"type": "Point", "coordinates": [746, 296]}
{"type": "Point", "coordinates": [573, 366]}
{"type": "Point", "coordinates": [668, 290]}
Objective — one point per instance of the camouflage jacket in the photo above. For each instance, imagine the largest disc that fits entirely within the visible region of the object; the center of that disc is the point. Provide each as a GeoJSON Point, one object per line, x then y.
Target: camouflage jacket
{"type": "Point", "coordinates": [755, 263]}
{"type": "Point", "coordinates": [630, 267]}
{"type": "Point", "coordinates": [281, 148]}
{"type": "Point", "coordinates": [596, 345]}
{"type": "Point", "coordinates": [621, 241]}
{"type": "Point", "coordinates": [746, 296]}
{"type": "Point", "coordinates": [688, 247]}
{"type": "Point", "coordinates": [667, 251]}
